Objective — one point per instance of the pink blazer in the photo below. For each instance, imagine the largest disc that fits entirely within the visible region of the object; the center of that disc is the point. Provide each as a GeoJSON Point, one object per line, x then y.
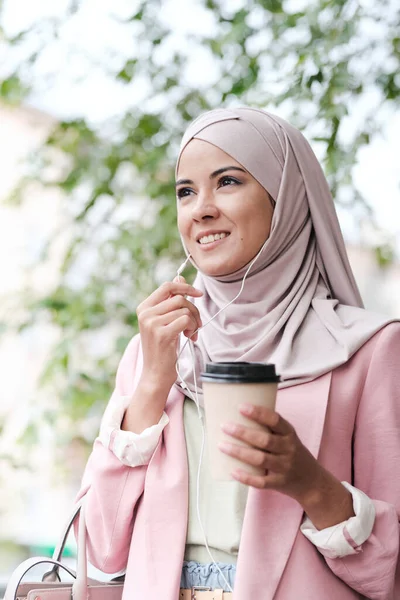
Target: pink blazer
{"type": "Point", "coordinates": [349, 419]}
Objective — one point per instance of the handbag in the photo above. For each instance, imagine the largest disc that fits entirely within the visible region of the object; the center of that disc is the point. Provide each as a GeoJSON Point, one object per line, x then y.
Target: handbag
{"type": "Point", "coordinates": [51, 587]}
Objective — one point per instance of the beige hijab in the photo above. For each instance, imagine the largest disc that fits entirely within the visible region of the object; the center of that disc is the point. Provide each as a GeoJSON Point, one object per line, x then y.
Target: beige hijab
{"type": "Point", "coordinates": [300, 307]}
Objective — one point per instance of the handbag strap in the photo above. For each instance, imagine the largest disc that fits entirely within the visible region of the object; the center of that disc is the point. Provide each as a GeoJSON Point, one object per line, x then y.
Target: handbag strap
{"type": "Point", "coordinates": [81, 580]}
{"type": "Point", "coordinates": [52, 575]}
{"type": "Point", "coordinates": [59, 549]}
{"type": "Point", "coordinates": [22, 569]}
{"type": "Point", "coordinates": [80, 585]}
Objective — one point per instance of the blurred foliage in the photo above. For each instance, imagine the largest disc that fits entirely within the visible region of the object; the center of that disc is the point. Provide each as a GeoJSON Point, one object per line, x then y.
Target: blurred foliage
{"type": "Point", "coordinates": [318, 63]}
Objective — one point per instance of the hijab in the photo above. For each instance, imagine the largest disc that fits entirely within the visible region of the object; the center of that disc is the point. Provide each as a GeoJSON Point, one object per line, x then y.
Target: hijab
{"type": "Point", "coordinates": [300, 307]}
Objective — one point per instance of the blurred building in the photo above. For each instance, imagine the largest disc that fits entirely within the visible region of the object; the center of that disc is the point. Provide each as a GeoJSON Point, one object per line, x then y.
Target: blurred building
{"type": "Point", "coordinates": [379, 286]}
{"type": "Point", "coordinates": [32, 507]}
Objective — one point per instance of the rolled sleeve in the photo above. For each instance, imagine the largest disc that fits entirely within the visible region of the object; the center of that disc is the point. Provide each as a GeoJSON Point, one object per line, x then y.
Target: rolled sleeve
{"type": "Point", "coordinates": [347, 537]}
{"type": "Point", "coordinates": [132, 449]}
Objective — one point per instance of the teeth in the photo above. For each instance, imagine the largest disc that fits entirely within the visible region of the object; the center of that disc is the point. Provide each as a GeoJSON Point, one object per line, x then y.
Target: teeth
{"type": "Point", "coordinates": [207, 239]}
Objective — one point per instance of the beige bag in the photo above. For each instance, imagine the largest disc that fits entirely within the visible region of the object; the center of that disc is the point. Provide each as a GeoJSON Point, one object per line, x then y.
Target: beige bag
{"type": "Point", "coordinates": [51, 588]}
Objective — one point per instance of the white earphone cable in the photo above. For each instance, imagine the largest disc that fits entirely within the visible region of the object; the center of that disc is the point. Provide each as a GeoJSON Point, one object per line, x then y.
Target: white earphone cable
{"type": "Point", "coordinates": [181, 268]}
{"type": "Point", "coordinates": [195, 398]}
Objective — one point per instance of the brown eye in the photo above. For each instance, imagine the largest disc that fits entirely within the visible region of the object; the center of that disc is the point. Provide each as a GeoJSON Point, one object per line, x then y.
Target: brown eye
{"type": "Point", "coordinates": [183, 192]}
{"type": "Point", "coordinates": [228, 180]}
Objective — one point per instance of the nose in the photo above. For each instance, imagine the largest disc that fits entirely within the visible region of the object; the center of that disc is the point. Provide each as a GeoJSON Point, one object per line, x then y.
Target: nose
{"type": "Point", "coordinates": [204, 208]}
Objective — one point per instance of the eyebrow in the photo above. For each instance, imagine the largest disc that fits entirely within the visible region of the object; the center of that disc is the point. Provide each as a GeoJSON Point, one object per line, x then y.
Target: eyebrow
{"type": "Point", "coordinates": [212, 176]}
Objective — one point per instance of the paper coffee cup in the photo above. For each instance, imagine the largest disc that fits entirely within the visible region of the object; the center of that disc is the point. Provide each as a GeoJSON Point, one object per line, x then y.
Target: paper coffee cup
{"type": "Point", "coordinates": [226, 386]}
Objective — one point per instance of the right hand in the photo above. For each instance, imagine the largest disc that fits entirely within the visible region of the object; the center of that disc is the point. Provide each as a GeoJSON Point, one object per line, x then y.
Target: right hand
{"type": "Point", "coordinates": [162, 317]}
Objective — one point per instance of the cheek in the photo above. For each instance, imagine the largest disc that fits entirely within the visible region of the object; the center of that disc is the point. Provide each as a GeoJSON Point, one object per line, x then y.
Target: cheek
{"type": "Point", "coordinates": [245, 222]}
{"type": "Point", "coordinates": [184, 227]}
{"type": "Point", "coordinates": [253, 225]}
{"type": "Point", "coordinates": [182, 223]}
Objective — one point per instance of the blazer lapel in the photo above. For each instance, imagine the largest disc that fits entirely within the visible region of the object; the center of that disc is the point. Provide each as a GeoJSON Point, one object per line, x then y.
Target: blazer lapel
{"type": "Point", "coordinates": [272, 520]}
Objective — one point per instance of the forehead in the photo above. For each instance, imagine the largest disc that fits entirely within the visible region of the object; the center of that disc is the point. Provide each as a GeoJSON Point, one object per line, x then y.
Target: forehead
{"type": "Point", "coordinates": [200, 157]}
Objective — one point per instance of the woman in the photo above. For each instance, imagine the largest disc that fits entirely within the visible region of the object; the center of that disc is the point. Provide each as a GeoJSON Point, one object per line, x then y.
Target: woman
{"type": "Point", "coordinates": [323, 520]}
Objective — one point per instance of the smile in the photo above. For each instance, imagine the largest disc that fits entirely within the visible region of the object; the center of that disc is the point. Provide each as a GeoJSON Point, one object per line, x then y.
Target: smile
{"type": "Point", "coordinates": [208, 239]}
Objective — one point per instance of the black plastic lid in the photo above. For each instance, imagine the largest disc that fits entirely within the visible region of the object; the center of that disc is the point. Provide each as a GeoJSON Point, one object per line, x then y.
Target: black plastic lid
{"type": "Point", "coordinates": [240, 372]}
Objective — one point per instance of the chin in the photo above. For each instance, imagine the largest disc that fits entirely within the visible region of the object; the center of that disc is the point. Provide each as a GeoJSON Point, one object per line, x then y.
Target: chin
{"type": "Point", "coordinates": [214, 272]}
{"type": "Point", "coordinates": [217, 268]}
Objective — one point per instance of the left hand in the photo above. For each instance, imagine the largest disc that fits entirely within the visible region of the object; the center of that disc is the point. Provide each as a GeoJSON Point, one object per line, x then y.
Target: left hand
{"type": "Point", "coordinates": [289, 467]}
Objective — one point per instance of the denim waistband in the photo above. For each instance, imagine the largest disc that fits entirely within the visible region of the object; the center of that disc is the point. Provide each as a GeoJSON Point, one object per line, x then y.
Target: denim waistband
{"type": "Point", "coordinates": [193, 573]}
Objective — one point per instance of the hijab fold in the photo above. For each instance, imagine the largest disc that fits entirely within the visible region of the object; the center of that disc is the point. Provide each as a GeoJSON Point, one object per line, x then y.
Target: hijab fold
{"type": "Point", "coordinates": [300, 307]}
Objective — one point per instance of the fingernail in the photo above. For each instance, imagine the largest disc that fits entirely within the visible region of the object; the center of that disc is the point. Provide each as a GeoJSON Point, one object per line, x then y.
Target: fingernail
{"type": "Point", "coordinates": [224, 446]}
{"type": "Point", "coordinates": [228, 427]}
{"type": "Point", "coordinates": [246, 408]}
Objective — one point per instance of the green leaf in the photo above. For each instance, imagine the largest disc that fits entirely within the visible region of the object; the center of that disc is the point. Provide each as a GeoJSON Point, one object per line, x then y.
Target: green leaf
{"type": "Point", "coordinates": [126, 74]}
{"type": "Point", "coordinates": [319, 76]}
{"type": "Point", "coordinates": [384, 255]}
{"type": "Point", "coordinates": [390, 83]}
{"type": "Point", "coordinates": [13, 90]}
{"type": "Point", "coordinates": [138, 16]}
{"type": "Point", "coordinates": [273, 6]}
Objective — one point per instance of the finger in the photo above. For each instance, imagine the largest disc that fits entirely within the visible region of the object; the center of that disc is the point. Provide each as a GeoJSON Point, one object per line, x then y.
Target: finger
{"type": "Point", "coordinates": [175, 303]}
{"type": "Point", "coordinates": [264, 439]}
{"type": "Point", "coordinates": [181, 325]}
{"type": "Point", "coordinates": [253, 457]}
{"type": "Point", "coordinates": [193, 336]}
{"type": "Point", "coordinates": [170, 288]}
{"type": "Point", "coordinates": [171, 316]}
{"type": "Point", "coordinates": [250, 456]}
{"type": "Point", "coordinates": [257, 481]}
{"type": "Point", "coordinates": [267, 417]}
{"type": "Point", "coordinates": [268, 481]}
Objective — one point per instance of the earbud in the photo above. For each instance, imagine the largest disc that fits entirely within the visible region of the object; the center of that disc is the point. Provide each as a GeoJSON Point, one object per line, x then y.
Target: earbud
{"type": "Point", "coordinates": [183, 266]}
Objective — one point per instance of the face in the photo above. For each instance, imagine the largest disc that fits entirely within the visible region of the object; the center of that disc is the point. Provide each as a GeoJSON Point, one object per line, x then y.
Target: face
{"type": "Point", "coordinates": [224, 214]}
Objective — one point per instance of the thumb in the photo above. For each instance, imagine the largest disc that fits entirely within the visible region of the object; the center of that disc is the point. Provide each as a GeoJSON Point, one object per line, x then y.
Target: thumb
{"type": "Point", "coordinates": [179, 279]}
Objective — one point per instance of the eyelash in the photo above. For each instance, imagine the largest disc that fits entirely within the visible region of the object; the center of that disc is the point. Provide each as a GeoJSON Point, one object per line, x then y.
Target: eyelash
{"type": "Point", "coordinates": [180, 192]}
